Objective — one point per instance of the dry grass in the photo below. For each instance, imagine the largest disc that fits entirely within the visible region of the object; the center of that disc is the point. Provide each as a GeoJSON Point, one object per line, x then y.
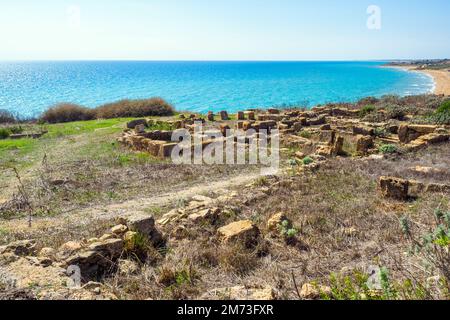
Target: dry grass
{"type": "Point", "coordinates": [344, 226]}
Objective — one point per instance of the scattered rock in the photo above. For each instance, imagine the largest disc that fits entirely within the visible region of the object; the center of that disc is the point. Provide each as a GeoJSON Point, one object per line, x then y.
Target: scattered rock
{"type": "Point", "coordinates": [363, 144]}
{"type": "Point", "coordinates": [243, 231]}
{"type": "Point", "coordinates": [408, 132]}
{"type": "Point", "coordinates": [364, 131]}
{"type": "Point", "coordinates": [392, 187]}
{"type": "Point", "coordinates": [69, 248]}
{"type": "Point", "coordinates": [425, 170]}
{"type": "Point", "coordinates": [119, 229]}
{"type": "Point", "coordinates": [98, 258]}
{"type": "Point", "coordinates": [205, 215]}
{"type": "Point", "coordinates": [311, 292]}
{"type": "Point", "coordinates": [132, 124]}
{"type": "Point", "coordinates": [144, 225]}
{"type": "Point", "coordinates": [20, 248]}
{"type": "Point", "coordinates": [275, 221]}
{"type": "Point", "coordinates": [106, 236]}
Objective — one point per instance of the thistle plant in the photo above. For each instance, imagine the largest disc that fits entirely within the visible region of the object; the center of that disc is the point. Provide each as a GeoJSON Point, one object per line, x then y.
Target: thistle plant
{"type": "Point", "coordinates": [434, 245]}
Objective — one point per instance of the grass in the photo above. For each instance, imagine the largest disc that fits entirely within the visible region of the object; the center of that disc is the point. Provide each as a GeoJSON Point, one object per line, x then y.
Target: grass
{"type": "Point", "coordinates": [26, 152]}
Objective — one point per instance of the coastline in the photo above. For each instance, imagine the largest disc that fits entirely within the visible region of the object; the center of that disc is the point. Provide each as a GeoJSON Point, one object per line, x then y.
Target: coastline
{"type": "Point", "coordinates": [441, 78]}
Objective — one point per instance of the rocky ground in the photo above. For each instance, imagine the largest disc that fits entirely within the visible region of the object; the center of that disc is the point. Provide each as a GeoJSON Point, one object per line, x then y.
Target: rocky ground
{"type": "Point", "coordinates": [359, 210]}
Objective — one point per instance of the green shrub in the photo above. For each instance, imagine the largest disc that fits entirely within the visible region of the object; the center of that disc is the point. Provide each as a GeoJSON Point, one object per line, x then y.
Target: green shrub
{"type": "Point", "coordinates": [4, 133]}
{"type": "Point", "coordinates": [366, 110]}
{"type": "Point", "coordinates": [380, 132]}
{"type": "Point", "coordinates": [433, 246]}
{"type": "Point", "coordinates": [442, 114]}
{"type": "Point", "coordinates": [388, 149]}
{"type": "Point", "coordinates": [307, 160]}
{"type": "Point", "coordinates": [134, 109]}
{"type": "Point", "coordinates": [67, 112]}
{"type": "Point", "coordinates": [444, 108]}
{"type": "Point", "coordinates": [305, 134]}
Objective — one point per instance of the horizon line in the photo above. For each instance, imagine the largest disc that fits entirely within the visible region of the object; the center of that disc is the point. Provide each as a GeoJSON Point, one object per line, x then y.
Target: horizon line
{"type": "Point", "coordinates": [216, 60]}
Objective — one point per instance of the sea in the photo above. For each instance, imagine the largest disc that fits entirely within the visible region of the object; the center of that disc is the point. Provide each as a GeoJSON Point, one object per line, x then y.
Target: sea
{"type": "Point", "coordinates": [29, 88]}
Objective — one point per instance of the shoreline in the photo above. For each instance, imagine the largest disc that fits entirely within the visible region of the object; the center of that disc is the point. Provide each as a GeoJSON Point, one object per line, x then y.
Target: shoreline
{"type": "Point", "coordinates": [441, 78]}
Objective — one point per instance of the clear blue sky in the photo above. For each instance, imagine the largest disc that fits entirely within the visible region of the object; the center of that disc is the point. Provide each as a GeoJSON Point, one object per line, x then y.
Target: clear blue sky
{"type": "Point", "coordinates": [222, 29]}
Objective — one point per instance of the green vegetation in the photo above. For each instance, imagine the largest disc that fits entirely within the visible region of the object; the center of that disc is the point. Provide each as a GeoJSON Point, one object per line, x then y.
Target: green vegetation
{"type": "Point", "coordinates": [305, 134]}
{"type": "Point", "coordinates": [67, 112]}
{"type": "Point", "coordinates": [4, 133]}
{"type": "Point", "coordinates": [356, 286]}
{"type": "Point", "coordinates": [366, 110]}
{"type": "Point", "coordinates": [388, 149]}
{"type": "Point", "coordinates": [442, 114]}
{"type": "Point", "coordinates": [7, 131]}
{"type": "Point", "coordinates": [307, 160]}
{"type": "Point", "coordinates": [287, 231]}
{"type": "Point", "coordinates": [432, 246]}
{"type": "Point", "coordinates": [380, 132]}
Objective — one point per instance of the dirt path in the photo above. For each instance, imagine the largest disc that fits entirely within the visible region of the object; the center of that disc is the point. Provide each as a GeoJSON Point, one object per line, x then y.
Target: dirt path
{"type": "Point", "coordinates": [138, 205]}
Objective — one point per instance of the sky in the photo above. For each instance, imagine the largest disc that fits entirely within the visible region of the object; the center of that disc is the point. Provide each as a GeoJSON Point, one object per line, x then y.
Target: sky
{"type": "Point", "coordinates": [224, 29]}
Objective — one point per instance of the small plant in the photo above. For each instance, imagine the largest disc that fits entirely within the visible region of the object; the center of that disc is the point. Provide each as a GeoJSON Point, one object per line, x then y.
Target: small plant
{"type": "Point", "coordinates": [292, 162]}
{"type": "Point", "coordinates": [432, 246]}
{"type": "Point", "coordinates": [137, 245]}
{"type": "Point", "coordinates": [307, 160]}
{"type": "Point", "coordinates": [261, 182]}
{"type": "Point", "coordinates": [287, 231]}
{"type": "Point", "coordinates": [366, 110]}
{"type": "Point", "coordinates": [388, 149]}
{"type": "Point", "coordinates": [380, 133]}
{"type": "Point", "coordinates": [305, 134]}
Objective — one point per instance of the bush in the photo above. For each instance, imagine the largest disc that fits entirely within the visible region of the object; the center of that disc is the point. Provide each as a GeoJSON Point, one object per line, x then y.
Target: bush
{"type": "Point", "coordinates": [67, 112]}
{"type": "Point", "coordinates": [388, 149]}
{"type": "Point", "coordinates": [305, 134]}
{"type": "Point", "coordinates": [7, 117]}
{"type": "Point", "coordinates": [135, 109]}
{"type": "Point", "coordinates": [307, 160]}
{"type": "Point", "coordinates": [444, 108]}
{"type": "Point", "coordinates": [442, 114]}
{"type": "Point", "coordinates": [366, 110]}
{"type": "Point", "coordinates": [4, 133]}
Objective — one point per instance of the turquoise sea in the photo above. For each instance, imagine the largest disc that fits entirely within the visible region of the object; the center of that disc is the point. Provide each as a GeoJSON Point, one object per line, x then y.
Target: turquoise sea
{"type": "Point", "coordinates": [28, 88]}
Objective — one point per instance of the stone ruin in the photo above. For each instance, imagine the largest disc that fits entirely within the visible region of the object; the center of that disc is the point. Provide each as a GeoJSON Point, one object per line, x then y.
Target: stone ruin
{"type": "Point", "coordinates": [319, 132]}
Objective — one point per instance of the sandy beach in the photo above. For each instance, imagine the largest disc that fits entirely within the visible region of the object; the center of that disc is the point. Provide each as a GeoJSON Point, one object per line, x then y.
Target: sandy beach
{"type": "Point", "coordinates": [441, 78]}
